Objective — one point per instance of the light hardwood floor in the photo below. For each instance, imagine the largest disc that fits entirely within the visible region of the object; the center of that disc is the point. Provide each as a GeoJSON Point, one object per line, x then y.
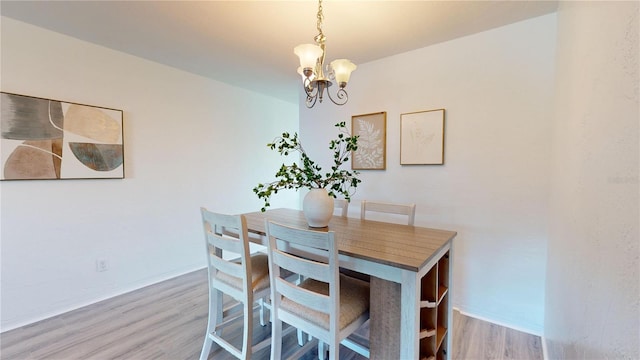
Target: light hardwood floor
{"type": "Point", "coordinates": [168, 321]}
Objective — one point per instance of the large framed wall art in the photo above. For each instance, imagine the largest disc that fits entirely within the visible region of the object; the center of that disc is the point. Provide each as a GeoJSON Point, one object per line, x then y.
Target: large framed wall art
{"type": "Point", "coordinates": [372, 141]}
{"type": "Point", "coordinates": [51, 139]}
{"type": "Point", "coordinates": [422, 138]}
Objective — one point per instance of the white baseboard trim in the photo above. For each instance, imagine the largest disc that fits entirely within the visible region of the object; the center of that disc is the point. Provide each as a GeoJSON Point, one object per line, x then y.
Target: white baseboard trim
{"type": "Point", "coordinates": [493, 321]}
{"type": "Point", "coordinates": [545, 353]}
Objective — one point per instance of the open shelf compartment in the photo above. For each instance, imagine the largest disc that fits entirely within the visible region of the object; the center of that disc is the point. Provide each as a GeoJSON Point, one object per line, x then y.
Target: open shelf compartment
{"type": "Point", "coordinates": [428, 288]}
{"type": "Point", "coordinates": [434, 311]}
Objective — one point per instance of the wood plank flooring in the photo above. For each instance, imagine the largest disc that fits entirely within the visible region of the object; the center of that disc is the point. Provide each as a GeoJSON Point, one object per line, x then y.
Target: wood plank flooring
{"type": "Point", "coordinates": [167, 321]}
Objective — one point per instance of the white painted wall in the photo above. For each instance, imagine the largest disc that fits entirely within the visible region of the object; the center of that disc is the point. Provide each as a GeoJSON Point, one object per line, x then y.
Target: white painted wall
{"type": "Point", "coordinates": [593, 275]}
{"type": "Point", "coordinates": [189, 142]}
{"type": "Point", "coordinates": [497, 89]}
{"type": "Point", "coordinates": [494, 189]}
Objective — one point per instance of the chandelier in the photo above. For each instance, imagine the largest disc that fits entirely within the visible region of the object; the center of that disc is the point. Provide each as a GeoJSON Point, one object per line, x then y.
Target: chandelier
{"type": "Point", "coordinates": [312, 69]}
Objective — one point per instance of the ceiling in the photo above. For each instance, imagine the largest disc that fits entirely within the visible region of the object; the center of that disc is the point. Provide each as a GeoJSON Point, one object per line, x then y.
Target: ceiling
{"type": "Point", "coordinates": [250, 43]}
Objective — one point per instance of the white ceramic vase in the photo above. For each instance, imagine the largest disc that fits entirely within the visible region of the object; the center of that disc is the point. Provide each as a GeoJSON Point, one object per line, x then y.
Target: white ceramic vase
{"type": "Point", "coordinates": [317, 207]}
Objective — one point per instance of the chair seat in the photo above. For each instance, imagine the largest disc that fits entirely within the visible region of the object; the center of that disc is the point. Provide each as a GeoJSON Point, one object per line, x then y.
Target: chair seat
{"type": "Point", "coordinates": [354, 301]}
{"type": "Point", "coordinates": [259, 274]}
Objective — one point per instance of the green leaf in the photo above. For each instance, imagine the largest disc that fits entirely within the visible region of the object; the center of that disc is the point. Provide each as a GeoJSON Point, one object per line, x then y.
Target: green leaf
{"type": "Point", "coordinates": [309, 174]}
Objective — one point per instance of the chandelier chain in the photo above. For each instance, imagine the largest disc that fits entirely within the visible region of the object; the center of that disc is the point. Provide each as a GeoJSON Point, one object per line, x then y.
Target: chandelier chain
{"type": "Point", "coordinates": [320, 38]}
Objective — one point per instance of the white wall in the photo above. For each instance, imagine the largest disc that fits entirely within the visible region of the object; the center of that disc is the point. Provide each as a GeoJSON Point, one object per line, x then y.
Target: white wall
{"type": "Point", "coordinates": [593, 275]}
{"type": "Point", "coordinates": [189, 142]}
{"type": "Point", "coordinates": [497, 89]}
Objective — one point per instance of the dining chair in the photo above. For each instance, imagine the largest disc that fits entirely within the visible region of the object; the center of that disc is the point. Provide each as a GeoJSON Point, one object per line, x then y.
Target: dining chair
{"type": "Point", "coordinates": [326, 305]}
{"type": "Point", "coordinates": [239, 274]}
{"type": "Point", "coordinates": [341, 206]}
{"type": "Point", "coordinates": [388, 208]}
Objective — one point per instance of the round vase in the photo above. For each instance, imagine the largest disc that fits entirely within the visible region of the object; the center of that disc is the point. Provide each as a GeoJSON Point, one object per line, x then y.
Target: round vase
{"type": "Point", "coordinates": [317, 207]}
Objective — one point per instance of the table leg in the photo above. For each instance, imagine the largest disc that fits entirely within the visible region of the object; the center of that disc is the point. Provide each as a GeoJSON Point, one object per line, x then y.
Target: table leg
{"type": "Point", "coordinates": [384, 326]}
{"type": "Point", "coordinates": [410, 316]}
{"type": "Point", "coordinates": [395, 319]}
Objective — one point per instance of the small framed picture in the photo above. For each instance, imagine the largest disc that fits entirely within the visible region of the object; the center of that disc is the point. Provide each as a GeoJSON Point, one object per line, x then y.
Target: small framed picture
{"type": "Point", "coordinates": [422, 138]}
{"type": "Point", "coordinates": [371, 130]}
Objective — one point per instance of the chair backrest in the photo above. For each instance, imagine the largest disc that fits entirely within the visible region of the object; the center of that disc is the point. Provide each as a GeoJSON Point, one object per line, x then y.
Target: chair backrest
{"type": "Point", "coordinates": [228, 233]}
{"type": "Point", "coordinates": [341, 206]}
{"type": "Point", "coordinates": [401, 209]}
{"type": "Point", "coordinates": [312, 255]}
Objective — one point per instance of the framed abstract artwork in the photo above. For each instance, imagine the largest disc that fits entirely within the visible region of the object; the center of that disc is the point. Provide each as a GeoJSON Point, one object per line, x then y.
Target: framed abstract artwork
{"type": "Point", "coordinates": [52, 139]}
{"type": "Point", "coordinates": [371, 130]}
{"type": "Point", "coordinates": [422, 138]}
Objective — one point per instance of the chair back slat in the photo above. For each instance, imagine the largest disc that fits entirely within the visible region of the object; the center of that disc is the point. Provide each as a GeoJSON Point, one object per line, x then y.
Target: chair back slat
{"type": "Point", "coordinates": [306, 238]}
{"type": "Point", "coordinates": [225, 242]}
{"type": "Point", "coordinates": [310, 299]}
{"type": "Point", "coordinates": [234, 269]}
{"type": "Point", "coordinates": [388, 208]}
{"type": "Point", "coordinates": [305, 267]}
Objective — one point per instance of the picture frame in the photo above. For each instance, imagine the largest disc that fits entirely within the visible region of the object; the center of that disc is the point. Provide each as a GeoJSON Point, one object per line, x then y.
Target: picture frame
{"type": "Point", "coordinates": [371, 130]}
{"type": "Point", "coordinates": [422, 137]}
{"type": "Point", "coordinates": [46, 139]}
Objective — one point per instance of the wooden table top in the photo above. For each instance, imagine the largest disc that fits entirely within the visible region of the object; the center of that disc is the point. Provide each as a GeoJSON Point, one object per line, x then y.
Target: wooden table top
{"type": "Point", "coordinates": [397, 245]}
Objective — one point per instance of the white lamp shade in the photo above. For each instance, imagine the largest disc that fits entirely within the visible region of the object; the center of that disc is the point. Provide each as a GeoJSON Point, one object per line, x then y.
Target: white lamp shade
{"type": "Point", "coordinates": [308, 54]}
{"type": "Point", "coordinates": [342, 69]}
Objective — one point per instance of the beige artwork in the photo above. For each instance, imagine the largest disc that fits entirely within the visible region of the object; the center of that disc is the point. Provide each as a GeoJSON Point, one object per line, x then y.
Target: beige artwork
{"type": "Point", "coordinates": [371, 131]}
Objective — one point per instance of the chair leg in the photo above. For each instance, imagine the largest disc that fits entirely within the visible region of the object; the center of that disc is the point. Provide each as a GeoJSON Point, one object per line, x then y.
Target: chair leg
{"type": "Point", "coordinates": [322, 350]}
{"type": "Point", "coordinates": [206, 347]}
{"type": "Point", "coordinates": [263, 318]}
{"type": "Point", "coordinates": [301, 337]}
{"type": "Point", "coordinates": [334, 352]}
{"type": "Point", "coordinates": [216, 310]}
{"type": "Point", "coordinates": [276, 339]}
{"type": "Point", "coordinates": [247, 339]}
{"type": "Point", "coordinates": [215, 316]}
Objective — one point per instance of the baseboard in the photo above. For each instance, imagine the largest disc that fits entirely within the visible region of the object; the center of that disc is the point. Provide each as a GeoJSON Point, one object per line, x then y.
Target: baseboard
{"type": "Point", "coordinates": [493, 321]}
{"type": "Point", "coordinates": [545, 353]}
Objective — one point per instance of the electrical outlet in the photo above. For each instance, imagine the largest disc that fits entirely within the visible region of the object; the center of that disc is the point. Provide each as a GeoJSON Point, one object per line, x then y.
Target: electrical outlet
{"type": "Point", "coordinates": [101, 265]}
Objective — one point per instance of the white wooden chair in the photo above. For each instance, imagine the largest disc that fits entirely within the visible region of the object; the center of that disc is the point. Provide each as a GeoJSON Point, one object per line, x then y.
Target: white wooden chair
{"type": "Point", "coordinates": [341, 207]}
{"type": "Point", "coordinates": [245, 279]}
{"type": "Point", "coordinates": [326, 305]}
{"type": "Point", "coordinates": [388, 208]}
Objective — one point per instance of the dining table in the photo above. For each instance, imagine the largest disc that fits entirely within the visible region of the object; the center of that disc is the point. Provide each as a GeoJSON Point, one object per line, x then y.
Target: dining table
{"type": "Point", "coordinates": [397, 258]}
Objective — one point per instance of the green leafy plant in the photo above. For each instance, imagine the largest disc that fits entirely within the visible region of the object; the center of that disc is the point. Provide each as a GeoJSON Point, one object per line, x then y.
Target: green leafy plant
{"type": "Point", "coordinates": [308, 174]}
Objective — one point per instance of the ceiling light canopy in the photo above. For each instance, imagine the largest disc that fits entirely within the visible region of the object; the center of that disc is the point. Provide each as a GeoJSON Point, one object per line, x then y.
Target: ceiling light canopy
{"type": "Point", "coordinates": [312, 69]}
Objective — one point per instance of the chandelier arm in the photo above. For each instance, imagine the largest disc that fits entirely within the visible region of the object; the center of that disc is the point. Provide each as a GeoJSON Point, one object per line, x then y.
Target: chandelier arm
{"type": "Point", "coordinates": [311, 101]}
{"type": "Point", "coordinates": [309, 88]}
{"type": "Point", "coordinates": [341, 95]}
